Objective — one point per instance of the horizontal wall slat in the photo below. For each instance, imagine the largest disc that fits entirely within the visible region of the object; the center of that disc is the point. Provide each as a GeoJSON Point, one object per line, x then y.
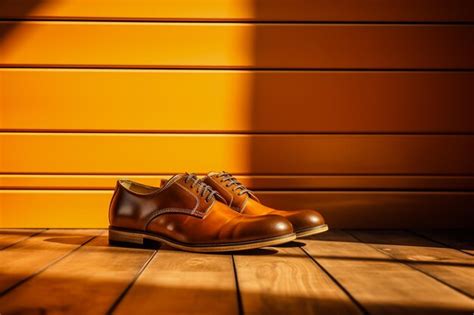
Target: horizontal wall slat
{"type": "Point", "coordinates": [275, 182]}
{"type": "Point", "coordinates": [39, 208]}
{"type": "Point", "coordinates": [104, 153]}
{"type": "Point", "coordinates": [236, 101]}
{"type": "Point", "coordinates": [236, 45]}
{"type": "Point", "coordinates": [260, 10]}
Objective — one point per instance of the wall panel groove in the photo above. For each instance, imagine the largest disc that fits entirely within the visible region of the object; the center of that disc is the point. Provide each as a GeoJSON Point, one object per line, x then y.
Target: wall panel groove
{"type": "Point", "coordinates": [243, 10]}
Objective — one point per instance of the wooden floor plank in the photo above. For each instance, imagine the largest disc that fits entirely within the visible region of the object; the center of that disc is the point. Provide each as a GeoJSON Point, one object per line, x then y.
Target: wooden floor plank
{"type": "Point", "coordinates": [95, 275]}
{"type": "Point", "coordinates": [29, 257]}
{"type": "Point", "coordinates": [280, 280]}
{"type": "Point", "coordinates": [9, 237]}
{"type": "Point", "coordinates": [461, 239]}
{"type": "Point", "coordinates": [177, 282]}
{"type": "Point", "coordinates": [288, 282]}
{"type": "Point", "coordinates": [379, 283]}
{"type": "Point", "coordinates": [448, 265]}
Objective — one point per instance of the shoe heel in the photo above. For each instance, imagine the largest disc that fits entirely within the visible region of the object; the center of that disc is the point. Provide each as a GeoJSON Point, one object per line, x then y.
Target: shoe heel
{"type": "Point", "coordinates": [121, 238]}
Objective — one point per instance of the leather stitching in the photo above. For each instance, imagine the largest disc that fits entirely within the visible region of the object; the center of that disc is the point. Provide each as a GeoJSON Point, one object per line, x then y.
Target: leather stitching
{"type": "Point", "coordinates": [242, 206]}
{"type": "Point", "coordinates": [178, 210]}
{"type": "Point", "coordinates": [159, 212]}
{"type": "Point", "coordinates": [198, 203]}
{"type": "Point", "coordinates": [206, 212]}
{"type": "Point", "coordinates": [194, 212]}
{"type": "Point", "coordinates": [195, 197]}
{"type": "Point", "coordinates": [224, 189]}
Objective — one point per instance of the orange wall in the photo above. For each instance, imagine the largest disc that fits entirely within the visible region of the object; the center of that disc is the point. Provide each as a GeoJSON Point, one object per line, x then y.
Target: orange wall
{"type": "Point", "coordinates": [360, 109]}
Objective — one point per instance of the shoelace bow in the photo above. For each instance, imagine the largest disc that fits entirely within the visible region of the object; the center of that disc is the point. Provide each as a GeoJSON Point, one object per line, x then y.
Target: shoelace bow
{"type": "Point", "coordinates": [231, 181]}
{"type": "Point", "coordinates": [202, 188]}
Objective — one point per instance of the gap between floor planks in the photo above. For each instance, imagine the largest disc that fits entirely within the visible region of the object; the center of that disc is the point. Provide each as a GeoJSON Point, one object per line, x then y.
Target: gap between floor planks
{"type": "Point", "coordinates": [294, 280]}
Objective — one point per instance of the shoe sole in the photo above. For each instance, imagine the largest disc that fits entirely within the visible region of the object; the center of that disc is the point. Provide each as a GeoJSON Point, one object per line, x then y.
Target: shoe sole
{"type": "Point", "coordinates": [121, 237]}
{"type": "Point", "coordinates": [312, 231]}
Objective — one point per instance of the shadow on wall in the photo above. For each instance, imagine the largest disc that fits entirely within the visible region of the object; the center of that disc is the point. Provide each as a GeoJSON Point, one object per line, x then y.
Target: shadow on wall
{"type": "Point", "coordinates": [316, 118]}
{"type": "Point", "coordinates": [313, 122]}
{"type": "Point", "coordinates": [17, 11]}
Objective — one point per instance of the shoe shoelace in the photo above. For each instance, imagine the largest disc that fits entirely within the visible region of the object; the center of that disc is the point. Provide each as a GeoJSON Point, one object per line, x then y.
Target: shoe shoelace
{"type": "Point", "coordinates": [203, 189]}
{"type": "Point", "coordinates": [238, 188]}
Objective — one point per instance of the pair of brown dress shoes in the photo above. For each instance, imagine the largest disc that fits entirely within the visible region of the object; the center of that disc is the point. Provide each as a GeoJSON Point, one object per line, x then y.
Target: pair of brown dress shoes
{"type": "Point", "coordinates": [213, 214]}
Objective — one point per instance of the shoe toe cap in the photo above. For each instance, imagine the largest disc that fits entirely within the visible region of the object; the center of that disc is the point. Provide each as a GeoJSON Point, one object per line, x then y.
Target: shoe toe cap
{"type": "Point", "coordinates": [305, 219]}
{"type": "Point", "coordinates": [263, 227]}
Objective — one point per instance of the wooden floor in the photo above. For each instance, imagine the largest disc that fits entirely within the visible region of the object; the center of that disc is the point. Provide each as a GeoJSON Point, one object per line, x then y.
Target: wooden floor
{"type": "Point", "coordinates": [339, 272]}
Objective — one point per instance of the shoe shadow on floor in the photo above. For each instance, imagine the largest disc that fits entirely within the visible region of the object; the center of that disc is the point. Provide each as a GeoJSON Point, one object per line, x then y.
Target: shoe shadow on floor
{"type": "Point", "coordinates": [87, 241]}
{"type": "Point", "coordinates": [149, 244]}
{"type": "Point", "coordinates": [291, 244]}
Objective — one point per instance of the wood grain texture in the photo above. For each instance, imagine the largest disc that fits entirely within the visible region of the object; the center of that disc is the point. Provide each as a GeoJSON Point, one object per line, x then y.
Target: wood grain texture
{"type": "Point", "coordinates": [462, 240]}
{"type": "Point", "coordinates": [211, 45]}
{"type": "Point", "coordinates": [281, 279]}
{"type": "Point", "coordinates": [255, 182]}
{"type": "Point", "coordinates": [379, 283]}
{"type": "Point", "coordinates": [450, 266]}
{"type": "Point", "coordinates": [86, 208]}
{"type": "Point", "coordinates": [238, 154]}
{"type": "Point", "coordinates": [237, 101]}
{"type": "Point", "coordinates": [285, 281]}
{"type": "Point", "coordinates": [29, 257]}
{"type": "Point", "coordinates": [9, 237]}
{"type": "Point", "coordinates": [242, 10]}
{"type": "Point", "coordinates": [95, 276]}
{"type": "Point", "coordinates": [178, 282]}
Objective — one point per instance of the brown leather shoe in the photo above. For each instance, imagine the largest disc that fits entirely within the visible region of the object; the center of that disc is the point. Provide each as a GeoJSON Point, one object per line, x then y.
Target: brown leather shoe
{"type": "Point", "coordinates": [186, 213]}
{"type": "Point", "coordinates": [242, 200]}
